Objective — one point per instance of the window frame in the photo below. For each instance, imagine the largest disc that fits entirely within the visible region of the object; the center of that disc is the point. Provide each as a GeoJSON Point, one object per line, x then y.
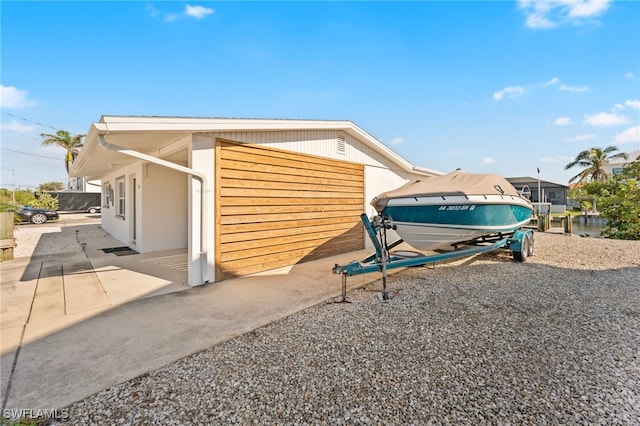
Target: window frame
{"type": "Point", "coordinates": [107, 195]}
{"type": "Point", "coordinates": [121, 196]}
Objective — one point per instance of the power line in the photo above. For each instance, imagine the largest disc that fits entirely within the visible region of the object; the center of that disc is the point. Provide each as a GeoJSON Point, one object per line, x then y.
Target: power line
{"type": "Point", "coordinates": [33, 155]}
{"type": "Point", "coordinates": [22, 134]}
{"type": "Point", "coordinates": [30, 121]}
{"type": "Point", "coordinates": [19, 186]}
{"type": "Point", "coordinates": [23, 174]}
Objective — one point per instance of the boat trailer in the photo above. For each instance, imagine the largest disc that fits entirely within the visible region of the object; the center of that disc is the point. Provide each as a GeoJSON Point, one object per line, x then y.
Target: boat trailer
{"type": "Point", "coordinates": [520, 243]}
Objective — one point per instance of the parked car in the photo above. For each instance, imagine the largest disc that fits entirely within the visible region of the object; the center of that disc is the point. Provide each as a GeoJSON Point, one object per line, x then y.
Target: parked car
{"type": "Point", "coordinates": [35, 215]}
{"type": "Point", "coordinates": [94, 209]}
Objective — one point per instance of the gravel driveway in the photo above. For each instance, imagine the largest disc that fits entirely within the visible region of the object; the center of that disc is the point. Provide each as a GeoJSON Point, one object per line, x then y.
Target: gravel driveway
{"type": "Point", "coordinates": [554, 340]}
{"type": "Point", "coordinates": [55, 237]}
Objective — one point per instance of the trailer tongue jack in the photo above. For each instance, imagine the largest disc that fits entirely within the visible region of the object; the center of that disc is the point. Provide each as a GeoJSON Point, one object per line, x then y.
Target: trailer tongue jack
{"type": "Point", "coordinates": [519, 242]}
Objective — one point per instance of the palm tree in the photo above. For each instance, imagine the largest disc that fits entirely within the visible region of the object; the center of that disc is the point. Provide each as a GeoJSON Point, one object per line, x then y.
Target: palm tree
{"type": "Point", "coordinates": [593, 161]}
{"type": "Point", "coordinates": [71, 144]}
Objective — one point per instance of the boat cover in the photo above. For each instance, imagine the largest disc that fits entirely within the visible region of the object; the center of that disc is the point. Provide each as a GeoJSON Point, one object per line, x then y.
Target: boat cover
{"type": "Point", "coordinates": [455, 183]}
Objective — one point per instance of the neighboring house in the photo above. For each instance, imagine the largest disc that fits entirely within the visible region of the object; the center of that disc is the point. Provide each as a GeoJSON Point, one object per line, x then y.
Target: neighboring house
{"type": "Point", "coordinates": [614, 165]}
{"type": "Point", "coordinates": [242, 195]}
{"type": "Point", "coordinates": [81, 184]}
{"type": "Point", "coordinates": [550, 192]}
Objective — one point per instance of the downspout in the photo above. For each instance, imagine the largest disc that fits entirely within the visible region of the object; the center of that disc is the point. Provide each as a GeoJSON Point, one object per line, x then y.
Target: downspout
{"type": "Point", "coordinates": [204, 228]}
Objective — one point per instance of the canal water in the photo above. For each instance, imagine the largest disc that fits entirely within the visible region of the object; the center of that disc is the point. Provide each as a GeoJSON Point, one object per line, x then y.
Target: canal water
{"type": "Point", "coordinates": [593, 228]}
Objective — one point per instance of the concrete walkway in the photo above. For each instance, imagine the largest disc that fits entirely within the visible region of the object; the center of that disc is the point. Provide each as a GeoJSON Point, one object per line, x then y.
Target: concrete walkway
{"type": "Point", "coordinates": [76, 323]}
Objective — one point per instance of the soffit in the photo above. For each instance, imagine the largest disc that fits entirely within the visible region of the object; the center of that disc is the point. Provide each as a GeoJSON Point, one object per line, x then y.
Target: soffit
{"type": "Point", "coordinates": [97, 161]}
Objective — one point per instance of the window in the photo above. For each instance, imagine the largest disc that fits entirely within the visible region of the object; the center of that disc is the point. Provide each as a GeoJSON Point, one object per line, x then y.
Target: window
{"type": "Point", "coordinates": [120, 196]}
{"type": "Point", "coordinates": [617, 171]}
{"type": "Point", "coordinates": [107, 195]}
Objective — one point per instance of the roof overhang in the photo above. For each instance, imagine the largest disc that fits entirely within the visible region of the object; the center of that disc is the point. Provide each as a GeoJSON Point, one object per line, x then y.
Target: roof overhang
{"type": "Point", "coordinates": [164, 136]}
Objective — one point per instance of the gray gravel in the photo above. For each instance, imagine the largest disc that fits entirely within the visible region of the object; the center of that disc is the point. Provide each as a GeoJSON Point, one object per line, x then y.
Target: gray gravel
{"type": "Point", "coordinates": [554, 340]}
{"type": "Point", "coordinates": [57, 237]}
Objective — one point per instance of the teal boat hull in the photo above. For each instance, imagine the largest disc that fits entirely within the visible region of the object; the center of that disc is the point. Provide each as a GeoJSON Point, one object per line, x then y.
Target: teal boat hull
{"type": "Point", "coordinates": [431, 223]}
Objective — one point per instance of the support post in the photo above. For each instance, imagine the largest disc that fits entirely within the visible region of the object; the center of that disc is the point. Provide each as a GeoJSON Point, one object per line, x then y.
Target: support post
{"type": "Point", "coordinates": [568, 225]}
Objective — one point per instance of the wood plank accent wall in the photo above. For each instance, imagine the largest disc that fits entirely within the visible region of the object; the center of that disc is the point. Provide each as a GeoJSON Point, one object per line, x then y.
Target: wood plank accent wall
{"type": "Point", "coordinates": [277, 208]}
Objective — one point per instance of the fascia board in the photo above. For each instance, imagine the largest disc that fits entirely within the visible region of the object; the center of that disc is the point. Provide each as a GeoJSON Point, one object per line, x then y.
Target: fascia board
{"type": "Point", "coordinates": [88, 148]}
{"type": "Point", "coordinates": [115, 124]}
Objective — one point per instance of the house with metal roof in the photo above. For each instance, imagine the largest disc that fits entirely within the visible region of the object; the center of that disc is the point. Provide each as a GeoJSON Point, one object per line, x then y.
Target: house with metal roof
{"type": "Point", "coordinates": [241, 196]}
{"type": "Point", "coordinates": [554, 194]}
{"type": "Point", "coordinates": [614, 166]}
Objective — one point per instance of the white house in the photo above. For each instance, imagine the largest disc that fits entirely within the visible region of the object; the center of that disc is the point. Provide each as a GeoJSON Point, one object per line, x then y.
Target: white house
{"type": "Point", "coordinates": [241, 195]}
{"type": "Point", "coordinates": [615, 165]}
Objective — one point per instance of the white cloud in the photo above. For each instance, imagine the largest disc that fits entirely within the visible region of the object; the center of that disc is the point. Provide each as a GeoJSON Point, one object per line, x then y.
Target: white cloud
{"type": "Point", "coordinates": [511, 92]}
{"type": "Point", "coordinates": [553, 13]}
{"type": "Point", "coordinates": [562, 121]}
{"type": "Point", "coordinates": [631, 135]}
{"type": "Point", "coordinates": [580, 138]}
{"type": "Point", "coordinates": [11, 97]}
{"type": "Point", "coordinates": [396, 141]}
{"type": "Point", "coordinates": [537, 14]}
{"type": "Point", "coordinates": [198, 12]}
{"type": "Point", "coordinates": [618, 107]}
{"type": "Point", "coordinates": [153, 12]}
{"type": "Point", "coordinates": [635, 104]}
{"type": "Point", "coordinates": [628, 75]}
{"type": "Point", "coordinates": [516, 91]}
{"type": "Point", "coordinates": [575, 89]}
{"type": "Point", "coordinates": [605, 119]}
{"type": "Point", "coordinates": [488, 161]}
{"type": "Point", "coordinates": [587, 8]}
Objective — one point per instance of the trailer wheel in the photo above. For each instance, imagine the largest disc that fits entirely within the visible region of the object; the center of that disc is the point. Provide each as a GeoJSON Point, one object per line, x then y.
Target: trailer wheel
{"type": "Point", "coordinates": [521, 256]}
{"type": "Point", "coordinates": [530, 245]}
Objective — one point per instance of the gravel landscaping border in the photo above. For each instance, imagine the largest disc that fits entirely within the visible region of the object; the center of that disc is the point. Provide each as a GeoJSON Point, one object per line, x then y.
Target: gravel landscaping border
{"type": "Point", "coordinates": [554, 340]}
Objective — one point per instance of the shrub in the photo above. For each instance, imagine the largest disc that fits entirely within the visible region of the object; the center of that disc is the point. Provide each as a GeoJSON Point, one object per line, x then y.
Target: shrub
{"type": "Point", "coordinates": [619, 203]}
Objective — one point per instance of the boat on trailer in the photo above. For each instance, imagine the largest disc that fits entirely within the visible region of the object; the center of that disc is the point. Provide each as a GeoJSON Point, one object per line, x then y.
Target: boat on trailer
{"type": "Point", "coordinates": [466, 213]}
{"type": "Point", "coordinates": [441, 211]}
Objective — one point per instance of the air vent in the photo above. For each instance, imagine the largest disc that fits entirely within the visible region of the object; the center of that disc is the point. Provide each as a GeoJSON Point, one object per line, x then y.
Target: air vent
{"type": "Point", "coordinates": [342, 145]}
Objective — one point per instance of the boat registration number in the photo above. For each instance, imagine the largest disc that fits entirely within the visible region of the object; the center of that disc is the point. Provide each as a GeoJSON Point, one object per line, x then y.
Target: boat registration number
{"type": "Point", "coordinates": [458, 207]}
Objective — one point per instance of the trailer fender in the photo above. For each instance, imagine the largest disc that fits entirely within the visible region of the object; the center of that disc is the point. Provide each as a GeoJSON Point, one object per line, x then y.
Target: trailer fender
{"type": "Point", "coordinates": [521, 244]}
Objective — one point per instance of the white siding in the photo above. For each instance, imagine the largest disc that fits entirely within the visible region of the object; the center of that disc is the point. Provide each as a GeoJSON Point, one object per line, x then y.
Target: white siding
{"type": "Point", "coordinates": [118, 226]}
{"type": "Point", "coordinates": [323, 143]}
{"type": "Point", "coordinates": [163, 221]}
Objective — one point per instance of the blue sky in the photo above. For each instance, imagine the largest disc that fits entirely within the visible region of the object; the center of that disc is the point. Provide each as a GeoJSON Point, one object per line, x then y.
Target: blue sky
{"type": "Point", "coordinates": [500, 87]}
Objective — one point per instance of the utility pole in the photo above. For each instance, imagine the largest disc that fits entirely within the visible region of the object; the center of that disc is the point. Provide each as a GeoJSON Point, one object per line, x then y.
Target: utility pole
{"type": "Point", "coordinates": [539, 200]}
{"type": "Point", "coordinates": [13, 185]}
